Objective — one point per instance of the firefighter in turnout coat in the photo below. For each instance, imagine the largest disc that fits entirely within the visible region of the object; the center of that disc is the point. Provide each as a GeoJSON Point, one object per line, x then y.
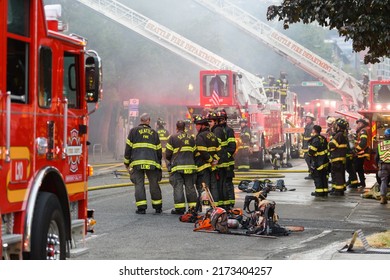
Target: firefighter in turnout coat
{"type": "Point", "coordinates": [383, 160]}
{"type": "Point", "coordinates": [361, 149]}
{"type": "Point", "coordinates": [180, 155]}
{"type": "Point", "coordinates": [231, 149]}
{"type": "Point", "coordinates": [338, 150]}
{"type": "Point", "coordinates": [143, 157]}
{"type": "Point", "coordinates": [206, 156]}
{"type": "Point", "coordinates": [309, 119]}
{"type": "Point", "coordinates": [242, 157]}
{"type": "Point", "coordinates": [352, 182]}
{"type": "Point", "coordinates": [163, 134]}
{"type": "Point", "coordinates": [222, 167]}
{"type": "Point", "coordinates": [318, 153]}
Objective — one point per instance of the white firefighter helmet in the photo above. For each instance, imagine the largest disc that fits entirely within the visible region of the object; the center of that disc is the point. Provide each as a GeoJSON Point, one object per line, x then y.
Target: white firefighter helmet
{"type": "Point", "coordinates": [310, 115]}
{"type": "Point", "coordinates": [330, 120]}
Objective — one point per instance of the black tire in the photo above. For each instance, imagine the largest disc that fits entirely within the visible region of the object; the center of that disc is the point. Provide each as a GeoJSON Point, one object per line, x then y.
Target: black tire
{"type": "Point", "coordinates": [48, 228]}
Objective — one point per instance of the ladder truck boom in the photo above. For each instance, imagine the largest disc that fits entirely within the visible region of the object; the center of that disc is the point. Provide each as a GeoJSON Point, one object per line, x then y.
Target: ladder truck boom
{"type": "Point", "coordinates": [334, 78]}
{"type": "Point", "coordinates": [226, 85]}
{"type": "Point", "coordinates": [253, 92]}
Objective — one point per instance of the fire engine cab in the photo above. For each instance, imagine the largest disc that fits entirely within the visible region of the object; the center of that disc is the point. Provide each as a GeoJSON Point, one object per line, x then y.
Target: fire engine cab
{"type": "Point", "coordinates": [378, 113]}
{"type": "Point", "coordinates": [47, 80]}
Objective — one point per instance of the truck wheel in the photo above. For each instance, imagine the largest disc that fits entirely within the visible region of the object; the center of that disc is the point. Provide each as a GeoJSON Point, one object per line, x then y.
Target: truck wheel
{"type": "Point", "coordinates": [48, 229]}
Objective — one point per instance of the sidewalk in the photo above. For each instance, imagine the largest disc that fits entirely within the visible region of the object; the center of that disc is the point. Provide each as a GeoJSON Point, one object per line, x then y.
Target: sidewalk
{"type": "Point", "coordinates": [104, 163]}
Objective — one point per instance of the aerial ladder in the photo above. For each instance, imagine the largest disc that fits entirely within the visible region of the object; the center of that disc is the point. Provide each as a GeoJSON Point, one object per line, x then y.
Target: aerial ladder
{"type": "Point", "coordinates": [251, 96]}
{"type": "Point", "coordinates": [334, 78]}
{"type": "Point", "coordinates": [253, 91]}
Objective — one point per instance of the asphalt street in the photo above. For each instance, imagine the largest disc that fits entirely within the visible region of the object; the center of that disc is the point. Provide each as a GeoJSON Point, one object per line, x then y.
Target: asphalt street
{"type": "Point", "coordinates": [328, 223]}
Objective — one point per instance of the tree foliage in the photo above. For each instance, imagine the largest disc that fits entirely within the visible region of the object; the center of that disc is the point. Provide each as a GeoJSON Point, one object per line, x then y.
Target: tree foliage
{"type": "Point", "coordinates": [365, 22]}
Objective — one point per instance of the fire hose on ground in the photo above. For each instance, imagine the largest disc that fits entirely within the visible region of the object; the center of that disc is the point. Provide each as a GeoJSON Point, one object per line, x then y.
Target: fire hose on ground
{"type": "Point", "coordinates": [239, 176]}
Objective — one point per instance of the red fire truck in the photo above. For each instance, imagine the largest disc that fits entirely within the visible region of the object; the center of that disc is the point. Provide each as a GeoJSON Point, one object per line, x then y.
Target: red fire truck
{"type": "Point", "coordinates": [242, 92]}
{"type": "Point", "coordinates": [47, 80]}
{"type": "Point", "coordinates": [268, 119]}
{"type": "Point", "coordinates": [321, 109]}
{"type": "Point", "coordinates": [378, 113]}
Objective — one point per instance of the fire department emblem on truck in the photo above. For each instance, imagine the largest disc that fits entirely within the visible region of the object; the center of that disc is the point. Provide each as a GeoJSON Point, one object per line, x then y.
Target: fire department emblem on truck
{"type": "Point", "coordinates": [74, 150]}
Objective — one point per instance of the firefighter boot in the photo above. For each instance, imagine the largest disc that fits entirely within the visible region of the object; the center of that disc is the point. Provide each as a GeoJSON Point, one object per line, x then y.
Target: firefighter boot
{"type": "Point", "coordinates": [383, 199]}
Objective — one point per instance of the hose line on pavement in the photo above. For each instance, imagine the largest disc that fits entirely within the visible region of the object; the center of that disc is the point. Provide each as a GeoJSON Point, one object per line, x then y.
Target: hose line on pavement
{"type": "Point", "coordinates": [122, 174]}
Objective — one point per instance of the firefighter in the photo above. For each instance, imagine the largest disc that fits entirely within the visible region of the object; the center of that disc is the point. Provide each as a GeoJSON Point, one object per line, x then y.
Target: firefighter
{"type": "Point", "coordinates": [318, 153]}
{"type": "Point", "coordinates": [231, 147]}
{"type": "Point", "coordinates": [361, 149]}
{"type": "Point", "coordinates": [206, 156]}
{"type": "Point", "coordinates": [242, 158]}
{"type": "Point", "coordinates": [330, 130]}
{"type": "Point", "coordinates": [271, 87]}
{"type": "Point", "coordinates": [188, 128]}
{"type": "Point", "coordinates": [352, 182]}
{"type": "Point", "coordinates": [163, 133]}
{"type": "Point", "coordinates": [382, 158]}
{"type": "Point", "coordinates": [143, 157]}
{"type": "Point", "coordinates": [180, 155]}
{"type": "Point", "coordinates": [338, 150]}
{"type": "Point", "coordinates": [283, 83]}
{"type": "Point", "coordinates": [309, 120]}
{"type": "Point", "coordinates": [221, 135]}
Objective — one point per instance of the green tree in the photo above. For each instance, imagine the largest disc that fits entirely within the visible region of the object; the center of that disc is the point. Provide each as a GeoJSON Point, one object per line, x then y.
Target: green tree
{"type": "Point", "coordinates": [365, 22]}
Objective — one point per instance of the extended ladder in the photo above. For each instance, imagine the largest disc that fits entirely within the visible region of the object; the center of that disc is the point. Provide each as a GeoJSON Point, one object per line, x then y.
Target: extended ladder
{"type": "Point", "coordinates": [252, 85]}
{"type": "Point", "coordinates": [334, 78]}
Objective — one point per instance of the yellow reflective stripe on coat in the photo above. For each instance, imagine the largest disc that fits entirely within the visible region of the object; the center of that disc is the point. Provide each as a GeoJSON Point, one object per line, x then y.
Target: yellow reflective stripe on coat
{"type": "Point", "coordinates": [145, 163]}
{"type": "Point", "coordinates": [184, 149]}
{"type": "Point", "coordinates": [128, 142]}
{"type": "Point", "coordinates": [202, 148]}
{"type": "Point", "coordinates": [313, 148]}
{"type": "Point", "coordinates": [338, 159]}
{"type": "Point", "coordinates": [323, 166]}
{"type": "Point", "coordinates": [146, 145]}
{"type": "Point", "coordinates": [213, 149]}
{"type": "Point", "coordinates": [188, 169]}
{"type": "Point", "coordinates": [324, 152]}
{"type": "Point", "coordinates": [203, 167]}
{"type": "Point", "coordinates": [333, 141]}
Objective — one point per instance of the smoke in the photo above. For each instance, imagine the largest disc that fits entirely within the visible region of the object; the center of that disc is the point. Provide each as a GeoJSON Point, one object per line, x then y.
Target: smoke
{"type": "Point", "coordinates": [137, 68]}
